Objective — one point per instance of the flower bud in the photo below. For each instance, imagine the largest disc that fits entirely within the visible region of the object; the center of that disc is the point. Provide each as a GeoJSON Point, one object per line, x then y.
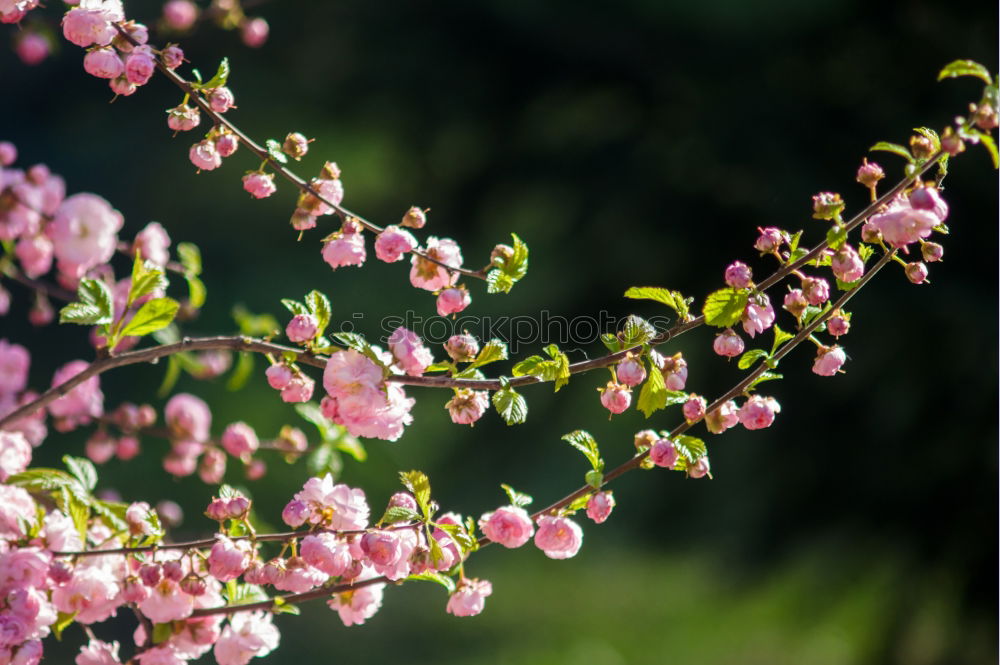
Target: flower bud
{"type": "Point", "coordinates": [180, 15]}
{"type": "Point", "coordinates": [100, 447]}
{"type": "Point", "coordinates": [193, 585]}
{"type": "Point", "coordinates": [838, 325]}
{"type": "Point", "coordinates": [295, 513]}
{"type": "Point", "coordinates": [816, 290]}
{"type": "Point", "coordinates": [453, 300]}
{"type": "Point", "coordinates": [173, 570]}
{"type": "Point", "coordinates": [212, 467]}
{"type": "Point", "coordinates": [302, 328]}
{"type": "Point", "coordinates": [694, 408]}
{"type": "Point", "coordinates": [599, 506]}
{"type": "Point", "coordinates": [254, 32]}
{"type": "Point", "coordinates": [951, 142]}
{"type": "Point", "coordinates": [183, 118]}
{"type": "Point", "coordinates": [279, 376]}
{"type": "Point", "coordinates": [122, 86]}
{"type": "Point", "coordinates": [916, 272]}
{"type": "Point", "coordinates": [847, 265]}
{"type": "Point", "coordinates": [295, 146]}
{"type": "Point", "coordinates": [645, 439]}
{"type": "Point", "coordinates": [869, 174]}
{"type": "Point", "coordinates": [221, 99]}
{"type": "Point", "coordinates": [172, 56]}
{"type": "Point", "coordinates": [630, 371]}
{"type": "Point", "coordinates": [205, 156]}
{"type": "Point", "coordinates": [985, 117]}
{"type": "Point", "coordinates": [8, 153]}
{"type": "Point", "coordinates": [257, 468]}
{"type": "Point", "coordinates": [921, 146]}
{"type": "Point", "coordinates": [462, 348]}
{"type": "Point", "coordinates": [728, 344]}
{"type": "Point", "coordinates": [769, 240]}
{"type": "Point", "coordinates": [103, 63]}
{"type": "Point", "coordinates": [150, 574]}
{"type": "Point", "coordinates": [299, 389]}
{"type": "Point", "coordinates": [237, 507]}
{"type": "Point", "coordinates": [827, 205]}
{"type": "Point", "coordinates": [931, 251]}
{"type": "Point", "coordinates": [226, 144]}
{"type": "Point", "coordinates": [218, 510]}
{"type": "Point", "coordinates": [738, 275]}
{"type": "Point", "coordinates": [331, 171]}
{"type": "Point", "coordinates": [501, 254]}
{"type": "Point", "coordinates": [829, 360]}
{"type": "Point", "coordinates": [616, 397]}
{"type": "Point", "coordinates": [415, 218]}
{"type": "Point", "coordinates": [170, 513]}
{"type": "Point", "coordinates": [700, 469]}
{"type": "Point", "coordinates": [403, 500]}
{"type": "Point", "coordinates": [758, 412]}
{"type": "Point", "coordinates": [140, 65]}
{"type": "Point", "coordinates": [32, 48]}
{"type": "Point", "coordinates": [663, 453]}
{"type": "Point", "coordinates": [291, 440]}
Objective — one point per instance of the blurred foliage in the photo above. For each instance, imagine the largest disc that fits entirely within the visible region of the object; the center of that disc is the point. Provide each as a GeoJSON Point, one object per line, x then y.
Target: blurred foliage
{"type": "Point", "coordinates": [631, 143]}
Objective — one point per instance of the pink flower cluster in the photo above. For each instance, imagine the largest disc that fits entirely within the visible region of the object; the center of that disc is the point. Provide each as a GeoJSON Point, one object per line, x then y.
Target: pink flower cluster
{"type": "Point", "coordinates": [361, 400]}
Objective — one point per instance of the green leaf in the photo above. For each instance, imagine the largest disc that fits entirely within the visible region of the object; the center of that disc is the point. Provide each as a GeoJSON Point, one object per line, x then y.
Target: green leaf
{"type": "Point", "coordinates": [766, 376]}
{"type": "Point", "coordinates": [636, 332]}
{"type": "Point", "coordinates": [96, 305]}
{"type": "Point", "coordinates": [836, 236]}
{"type": "Point", "coordinates": [587, 445]}
{"type": "Point", "coordinates": [894, 148]}
{"type": "Point", "coordinates": [241, 594]}
{"type": "Point", "coordinates": [84, 315]}
{"type": "Point", "coordinates": [146, 278]}
{"type": "Point", "coordinates": [560, 366]}
{"type": "Point", "coordinates": [319, 306]}
{"type": "Point", "coordinates": [170, 377]}
{"type": "Point", "coordinates": [324, 459]}
{"type": "Point", "coordinates": [518, 499]}
{"type": "Point", "coordinates": [197, 293]}
{"type": "Point", "coordinates": [63, 621]}
{"type": "Point", "coordinates": [517, 266]}
{"type": "Point", "coordinates": [497, 281]}
{"type": "Point", "coordinates": [653, 395]}
{"type": "Point", "coordinates": [275, 152]}
{"type": "Point", "coordinates": [724, 307]}
{"type": "Point", "coordinates": [930, 135]}
{"type": "Point", "coordinates": [190, 257]}
{"type": "Point", "coordinates": [492, 351]}
{"type": "Point", "coordinates": [294, 306]}
{"type": "Point", "coordinates": [220, 78]}
{"type": "Point", "coordinates": [431, 576]}
{"type": "Point", "coordinates": [780, 337]}
{"type": "Point", "coordinates": [282, 606]}
{"type": "Point", "coordinates": [990, 146]}
{"type": "Point", "coordinates": [965, 68]}
{"type": "Point", "coordinates": [352, 446]}
{"type": "Point", "coordinates": [611, 342]}
{"type": "Point", "coordinates": [750, 357]}
{"type": "Point", "coordinates": [241, 372]}
{"type": "Point", "coordinates": [83, 470]}
{"type": "Point", "coordinates": [162, 632]}
{"type": "Point", "coordinates": [690, 449]}
{"type": "Point", "coordinates": [530, 366]}
{"type": "Point", "coordinates": [41, 479]}
{"type": "Point", "coordinates": [254, 325]}
{"type": "Point", "coordinates": [112, 513]}
{"type": "Point", "coordinates": [153, 315]}
{"type": "Point", "coordinates": [419, 486]}
{"type": "Point", "coordinates": [672, 299]}
{"type": "Point", "coordinates": [395, 514]}
{"type": "Point", "coordinates": [511, 406]}
{"type": "Point", "coordinates": [360, 344]}
{"type": "Point", "coordinates": [594, 478]}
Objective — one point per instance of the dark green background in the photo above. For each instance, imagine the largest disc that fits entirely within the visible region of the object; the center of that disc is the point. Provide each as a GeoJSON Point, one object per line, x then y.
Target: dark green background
{"type": "Point", "coordinates": [629, 143]}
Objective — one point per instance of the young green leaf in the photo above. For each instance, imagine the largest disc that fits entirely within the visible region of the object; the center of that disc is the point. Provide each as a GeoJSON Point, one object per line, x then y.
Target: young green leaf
{"type": "Point", "coordinates": [294, 306]}
{"type": "Point", "coordinates": [724, 307]}
{"type": "Point", "coordinates": [220, 78]}
{"type": "Point", "coordinates": [420, 487]}
{"type": "Point", "coordinates": [492, 351]}
{"type": "Point", "coordinates": [190, 257]}
{"type": "Point", "coordinates": [319, 306]}
{"type": "Point", "coordinates": [636, 331]}
{"type": "Point", "coordinates": [587, 445]}
{"type": "Point", "coordinates": [518, 499]}
{"type": "Point", "coordinates": [965, 68]}
{"type": "Point", "coordinates": [750, 357]}
{"type": "Point", "coordinates": [96, 305]}
{"type": "Point", "coordinates": [497, 281]}
{"type": "Point", "coordinates": [241, 372]}
{"type": "Point", "coordinates": [275, 152]}
{"type": "Point", "coordinates": [83, 470]}
{"type": "Point", "coordinates": [653, 395]}
{"type": "Point", "coordinates": [836, 236]}
{"type": "Point", "coordinates": [894, 148]}
{"type": "Point", "coordinates": [63, 621]}
{"type": "Point", "coordinates": [672, 299]}
{"type": "Point", "coordinates": [395, 514]}
{"type": "Point", "coordinates": [511, 406]}
{"type": "Point", "coordinates": [153, 315]}
{"type": "Point", "coordinates": [780, 337]}
{"type": "Point", "coordinates": [197, 293]}
{"type": "Point", "coordinates": [431, 576]}
{"type": "Point", "coordinates": [559, 366]}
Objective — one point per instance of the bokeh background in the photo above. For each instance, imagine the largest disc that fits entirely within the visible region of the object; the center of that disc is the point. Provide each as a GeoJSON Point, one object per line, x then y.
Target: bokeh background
{"type": "Point", "coordinates": [639, 142]}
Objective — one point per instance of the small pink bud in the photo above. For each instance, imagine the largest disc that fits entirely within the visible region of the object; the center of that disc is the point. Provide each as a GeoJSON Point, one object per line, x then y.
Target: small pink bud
{"type": "Point", "coordinates": [226, 144]}
{"type": "Point", "coordinates": [254, 32]}
{"type": "Point", "coordinates": [302, 328]}
{"type": "Point", "coordinates": [838, 325]}
{"type": "Point", "coordinates": [172, 57]}
{"type": "Point", "coordinates": [829, 361]}
{"type": "Point", "coordinates": [700, 469]}
{"type": "Point", "coordinates": [140, 65]}
{"type": "Point", "coordinates": [645, 439]}
{"type": "Point", "coordinates": [257, 469]}
{"type": "Point", "coordinates": [221, 99]}
{"type": "Point", "coordinates": [212, 467]}
{"type": "Point", "coordinates": [738, 275]}
{"type": "Point", "coordinates": [180, 14]}
{"type": "Point", "coordinates": [237, 507]}
{"type": "Point", "coordinates": [183, 118]}
{"type": "Point", "coordinates": [8, 153]}
{"type": "Point", "coordinates": [122, 86]}
{"type": "Point", "coordinates": [170, 513]}
{"type": "Point", "coordinates": [173, 570]}
{"type": "Point", "coordinates": [100, 447]}
{"type": "Point", "coordinates": [728, 344]}
{"type": "Point", "coordinates": [217, 510]}
{"type": "Point", "coordinates": [205, 156]}
{"type": "Point", "coordinates": [795, 302]}
{"type": "Point", "coordinates": [951, 142]}
{"type": "Point", "coordinates": [916, 272]}
{"type": "Point", "coordinates": [869, 174]}
{"type": "Point", "coordinates": [630, 371]}
{"type": "Point", "coordinates": [150, 574]}
{"type": "Point", "coordinates": [599, 506]}
{"type": "Point", "coordinates": [295, 513]}
{"type": "Point", "coordinates": [259, 185]}
{"type": "Point", "coordinates": [453, 300]}
{"type": "Point", "coordinates": [295, 146]}
{"type": "Point", "coordinates": [931, 251]}
{"type": "Point", "coordinates": [403, 500]}
{"type": "Point", "coordinates": [769, 240]}
{"type": "Point", "coordinates": [663, 453]}
{"type": "Point", "coordinates": [616, 397]}
{"type": "Point", "coordinates": [193, 585]}
{"type": "Point", "coordinates": [32, 48]}
{"type": "Point", "coordinates": [847, 265]}
{"type": "Point", "coordinates": [103, 63]}
{"type": "Point", "coordinates": [415, 218]}
{"type": "Point", "coordinates": [462, 348]}
{"type": "Point", "coordinates": [816, 290]}
{"type": "Point", "coordinates": [279, 376]}
{"type": "Point", "coordinates": [240, 440]}
{"type": "Point", "coordinates": [694, 408]}
{"type": "Point", "coordinates": [299, 389]}
{"type": "Point", "coordinates": [758, 412]}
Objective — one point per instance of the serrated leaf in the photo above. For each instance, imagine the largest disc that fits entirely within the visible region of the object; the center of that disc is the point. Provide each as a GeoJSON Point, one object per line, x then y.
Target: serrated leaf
{"type": "Point", "coordinates": [518, 499]}
{"type": "Point", "coordinates": [81, 314]}
{"type": "Point", "coordinates": [511, 406]}
{"type": "Point", "coordinates": [780, 337]}
{"type": "Point", "coordinates": [836, 236]}
{"type": "Point", "coordinates": [220, 78]}
{"type": "Point", "coordinates": [395, 514]}
{"type": "Point", "coordinates": [750, 357]}
{"type": "Point", "coordinates": [497, 281]}
{"type": "Point", "coordinates": [517, 266]}
{"type": "Point", "coordinates": [419, 486]}
{"type": "Point", "coordinates": [146, 278]}
{"type": "Point", "coordinates": [611, 342]}
{"type": "Point", "coordinates": [242, 371]}
{"type": "Point", "coordinates": [275, 152]}
{"type": "Point", "coordinates": [894, 148]}
{"type": "Point", "coordinates": [723, 308]}
{"type": "Point", "coordinates": [153, 315]}
{"type": "Point", "coordinates": [636, 331]}
{"type": "Point", "coordinates": [965, 68]}
{"type": "Point", "coordinates": [96, 305]}
{"type": "Point", "coordinates": [560, 366]}
{"type": "Point", "coordinates": [492, 351]}
{"type": "Point", "coordinates": [766, 376]}
{"type": "Point", "coordinates": [672, 299]}
{"type": "Point", "coordinates": [793, 242]}
{"type": "Point", "coordinates": [431, 576]}
{"type": "Point", "coordinates": [587, 445]}
{"type": "Point", "coordinates": [865, 252]}
{"type": "Point", "coordinates": [190, 257]}
{"type": "Point", "coordinates": [112, 513]}
{"type": "Point", "coordinates": [319, 306]}
{"type": "Point", "coordinates": [83, 470]}
{"type": "Point", "coordinates": [690, 448]}
{"type": "Point", "coordinates": [294, 306]}
{"type": "Point", "coordinates": [41, 479]}
{"type": "Point", "coordinates": [930, 135]}
{"type": "Point", "coordinates": [653, 395]}
{"type": "Point", "coordinates": [530, 366]}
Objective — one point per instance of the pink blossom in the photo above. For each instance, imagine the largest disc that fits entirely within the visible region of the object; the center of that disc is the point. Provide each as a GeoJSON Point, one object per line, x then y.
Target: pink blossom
{"type": "Point", "coordinates": [221, 100]}
{"type": "Point", "coordinates": [758, 315]}
{"type": "Point", "coordinates": [248, 635]}
{"type": "Point", "coordinates": [227, 560]}
{"type": "Point", "coordinates": [838, 325]}
{"type": "Point", "coordinates": [97, 652]}
{"type": "Point", "coordinates": [700, 468]}
{"type": "Point", "coordinates": [392, 243]}
{"type": "Point", "coordinates": [430, 276]}
{"type": "Point", "coordinates": [509, 526]}
{"type": "Point", "coordinates": [916, 272]}
{"type": "Point", "coordinates": [931, 251]}
{"type": "Point", "coordinates": [14, 363]}
{"type": "Point", "coordinates": [616, 397]}
{"type": "Point", "coordinates": [728, 344]}
{"type": "Point", "coordinates": [359, 605]}
{"type": "Point", "coordinates": [674, 369]}
{"type": "Point", "coordinates": [299, 576]}
{"type": "Point", "coordinates": [103, 63]}
{"type": "Point", "coordinates": [139, 517]}
{"type": "Point", "coordinates": [167, 602]}
{"type": "Point", "coordinates": [302, 328]}
{"type": "Point", "coordinates": [17, 509]}
{"type": "Point", "coordinates": [183, 118]}
{"type": "Point", "coordinates": [259, 185]}
{"type": "Point", "coordinates": [254, 32]}
{"type": "Point", "coordinates": [32, 48]}
{"type": "Point", "coordinates": [93, 592]}
{"type": "Point", "coordinates": [630, 371]}
{"type": "Point", "coordinates": [296, 513]}
{"type": "Point", "coordinates": [205, 156]}
{"type": "Point", "coordinates": [278, 376]}
{"type": "Point", "coordinates": [35, 254]}
{"type": "Point", "coordinates": [334, 506]}
{"type": "Point", "coordinates": [795, 302]}
{"type": "Point", "coordinates": [345, 249]}
{"type": "Point", "coordinates": [829, 361]}
{"type": "Point", "coordinates": [212, 468]}
{"type": "Point", "coordinates": [188, 417]}
{"type": "Point", "coordinates": [694, 408]}
{"type": "Point", "coordinates": [162, 654]}
{"type": "Point", "coordinates": [901, 225]}
{"type": "Point", "coordinates": [558, 537]}
{"type": "Point", "coordinates": [172, 57]}
{"type": "Point", "coordinates": [847, 265]}
{"type": "Point", "coordinates": [140, 65]}
{"type": "Point", "coordinates": [769, 240]}
{"type": "Point", "coordinates": [462, 348]}
{"type": "Point", "coordinates": [84, 233]}
{"type": "Point", "coordinates": [122, 86]}
{"type": "Point", "coordinates": [226, 144]}
{"type": "Point", "coordinates": [180, 14]}
{"type": "Point", "coordinates": [469, 598]}
{"type": "Point", "coordinates": [83, 402]}
{"type": "Point", "coordinates": [929, 198]}
{"type": "Point", "coordinates": [738, 275]}
{"type": "Point", "coordinates": [816, 290]}
{"type": "Point", "coordinates": [758, 412]}
{"type": "Point", "coordinates": [663, 453]}
{"type": "Point", "coordinates": [453, 300]}
{"type": "Point", "coordinates": [91, 22]}
{"type": "Point", "coordinates": [100, 447]}
{"type": "Point", "coordinates": [152, 244]}
{"type": "Point", "coordinates": [240, 440]}
{"type": "Point", "coordinates": [326, 552]}
{"type": "Point", "coordinates": [29, 653]}
{"type": "Point", "coordinates": [128, 447]}
{"type": "Point", "coordinates": [22, 568]}
{"type": "Point", "coordinates": [409, 351]}
{"type": "Point", "coordinates": [599, 506]}
{"type": "Point", "coordinates": [467, 406]}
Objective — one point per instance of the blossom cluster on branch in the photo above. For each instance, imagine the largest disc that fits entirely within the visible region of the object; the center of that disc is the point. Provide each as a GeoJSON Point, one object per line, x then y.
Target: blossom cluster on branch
{"type": "Point", "coordinates": [67, 555]}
